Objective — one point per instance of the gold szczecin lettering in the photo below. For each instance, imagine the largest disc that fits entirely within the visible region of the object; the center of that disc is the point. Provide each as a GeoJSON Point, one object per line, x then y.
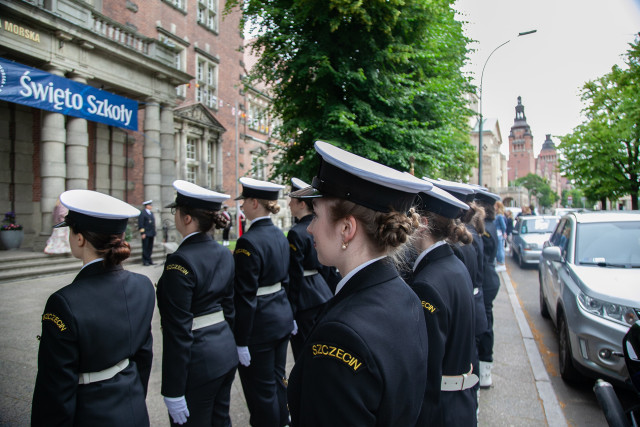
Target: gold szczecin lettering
{"type": "Point", "coordinates": [429, 306]}
{"type": "Point", "coordinates": [56, 320]}
{"type": "Point", "coordinates": [319, 350]}
{"type": "Point", "coordinates": [178, 267]}
{"type": "Point", "coordinates": [242, 251]}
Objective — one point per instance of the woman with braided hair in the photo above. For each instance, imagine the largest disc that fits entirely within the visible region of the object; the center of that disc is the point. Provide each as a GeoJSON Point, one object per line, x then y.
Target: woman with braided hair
{"type": "Point", "coordinates": [364, 362]}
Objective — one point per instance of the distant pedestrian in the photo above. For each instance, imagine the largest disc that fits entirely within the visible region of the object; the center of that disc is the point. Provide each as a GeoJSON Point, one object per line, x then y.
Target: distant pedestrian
{"type": "Point", "coordinates": [501, 228]}
{"type": "Point", "coordinates": [195, 299]}
{"type": "Point", "coordinates": [526, 210]}
{"type": "Point", "coordinates": [242, 223]}
{"type": "Point", "coordinates": [147, 229]}
{"type": "Point", "coordinates": [58, 242]}
{"type": "Point", "coordinates": [95, 353]}
{"type": "Point", "coordinates": [227, 228]}
{"type": "Point", "coordinates": [509, 217]}
{"type": "Point", "coordinates": [264, 319]}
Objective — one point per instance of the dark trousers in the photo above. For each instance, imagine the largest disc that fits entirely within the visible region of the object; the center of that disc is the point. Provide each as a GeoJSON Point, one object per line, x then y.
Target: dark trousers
{"type": "Point", "coordinates": [208, 403]}
{"type": "Point", "coordinates": [263, 384]}
{"type": "Point", "coordinates": [485, 340]}
{"type": "Point", "coordinates": [147, 249]}
{"type": "Point", "coordinates": [225, 233]}
{"type": "Point", "coordinates": [305, 320]}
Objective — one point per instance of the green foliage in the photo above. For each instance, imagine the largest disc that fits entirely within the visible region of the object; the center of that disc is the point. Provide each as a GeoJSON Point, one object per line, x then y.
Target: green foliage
{"type": "Point", "coordinates": [577, 199]}
{"type": "Point", "coordinates": [601, 155]}
{"type": "Point", "coordinates": [540, 188]}
{"type": "Point", "coordinates": [378, 78]}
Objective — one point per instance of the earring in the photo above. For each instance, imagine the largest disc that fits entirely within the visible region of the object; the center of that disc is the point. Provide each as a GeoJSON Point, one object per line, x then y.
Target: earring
{"type": "Point", "coordinates": [344, 245]}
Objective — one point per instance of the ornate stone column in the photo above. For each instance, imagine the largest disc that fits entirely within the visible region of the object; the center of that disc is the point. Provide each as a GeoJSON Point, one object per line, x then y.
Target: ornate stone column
{"type": "Point", "coordinates": [168, 159]}
{"type": "Point", "coordinates": [152, 153]}
{"type": "Point", "coordinates": [52, 161]}
{"type": "Point", "coordinates": [77, 148]}
{"type": "Point", "coordinates": [219, 159]}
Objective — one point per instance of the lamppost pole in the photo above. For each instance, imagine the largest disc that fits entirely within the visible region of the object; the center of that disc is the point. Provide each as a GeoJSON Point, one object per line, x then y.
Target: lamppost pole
{"type": "Point", "coordinates": [481, 122]}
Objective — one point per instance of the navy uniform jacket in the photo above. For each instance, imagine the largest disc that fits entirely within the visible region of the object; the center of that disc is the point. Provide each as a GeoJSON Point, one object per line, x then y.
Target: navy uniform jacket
{"type": "Point", "coordinates": [197, 280]}
{"type": "Point", "coordinates": [472, 255]}
{"type": "Point", "coordinates": [261, 259]}
{"type": "Point", "coordinates": [101, 318]}
{"type": "Point", "coordinates": [310, 291]}
{"type": "Point", "coordinates": [490, 280]}
{"type": "Point", "coordinates": [365, 361]}
{"type": "Point", "coordinates": [443, 284]}
{"type": "Point", "coordinates": [147, 222]}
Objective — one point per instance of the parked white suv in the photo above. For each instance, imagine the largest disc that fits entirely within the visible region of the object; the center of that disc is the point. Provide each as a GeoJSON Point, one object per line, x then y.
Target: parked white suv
{"type": "Point", "coordinates": [589, 275]}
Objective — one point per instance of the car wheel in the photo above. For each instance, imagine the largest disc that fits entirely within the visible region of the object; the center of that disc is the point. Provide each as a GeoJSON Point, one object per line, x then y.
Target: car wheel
{"type": "Point", "coordinates": [520, 263]}
{"type": "Point", "coordinates": [544, 310]}
{"type": "Point", "coordinates": [567, 369]}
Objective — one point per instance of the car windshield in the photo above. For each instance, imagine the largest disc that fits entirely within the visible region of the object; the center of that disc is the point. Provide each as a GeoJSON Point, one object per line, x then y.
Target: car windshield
{"type": "Point", "coordinates": [609, 244]}
{"type": "Point", "coordinates": [538, 225]}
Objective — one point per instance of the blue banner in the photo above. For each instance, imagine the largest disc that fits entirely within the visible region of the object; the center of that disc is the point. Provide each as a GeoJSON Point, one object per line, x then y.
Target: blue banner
{"type": "Point", "coordinates": [36, 88]}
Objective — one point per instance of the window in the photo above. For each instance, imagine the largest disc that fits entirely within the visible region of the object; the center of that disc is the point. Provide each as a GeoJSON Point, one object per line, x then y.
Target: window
{"type": "Point", "coordinates": [178, 4]}
{"type": "Point", "coordinates": [207, 83]}
{"type": "Point", "coordinates": [257, 118]}
{"type": "Point", "coordinates": [208, 14]}
{"type": "Point", "coordinates": [191, 149]}
{"type": "Point", "coordinates": [192, 173]}
{"type": "Point", "coordinates": [257, 166]}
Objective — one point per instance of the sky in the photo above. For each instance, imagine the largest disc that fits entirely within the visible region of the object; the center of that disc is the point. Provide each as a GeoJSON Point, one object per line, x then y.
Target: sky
{"type": "Point", "coordinates": [576, 41]}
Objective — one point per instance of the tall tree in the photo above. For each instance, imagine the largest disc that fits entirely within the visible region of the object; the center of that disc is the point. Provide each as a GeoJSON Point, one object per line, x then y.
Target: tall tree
{"type": "Point", "coordinates": [380, 78]}
{"type": "Point", "coordinates": [539, 187]}
{"type": "Point", "coordinates": [601, 155]}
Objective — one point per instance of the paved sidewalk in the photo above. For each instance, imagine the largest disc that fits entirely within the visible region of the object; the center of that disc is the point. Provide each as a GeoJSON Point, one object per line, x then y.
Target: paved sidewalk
{"type": "Point", "coordinates": [521, 394]}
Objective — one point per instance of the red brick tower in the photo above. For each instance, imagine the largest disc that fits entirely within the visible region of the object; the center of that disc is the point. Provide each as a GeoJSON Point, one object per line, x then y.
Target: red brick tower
{"type": "Point", "coordinates": [521, 158]}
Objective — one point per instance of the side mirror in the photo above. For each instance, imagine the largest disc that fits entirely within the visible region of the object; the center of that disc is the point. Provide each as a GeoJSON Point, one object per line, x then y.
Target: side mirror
{"type": "Point", "coordinates": [631, 349]}
{"type": "Point", "coordinates": [552, 253]}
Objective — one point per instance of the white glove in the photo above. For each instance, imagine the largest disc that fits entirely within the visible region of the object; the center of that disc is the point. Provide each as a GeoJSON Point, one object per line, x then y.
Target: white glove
{"type": "Point", "coordinates": [177, 407]}
{"type": "Point", "coordinates": [295, 328]}
{"type": "Point", "coordinates": [244, 356]}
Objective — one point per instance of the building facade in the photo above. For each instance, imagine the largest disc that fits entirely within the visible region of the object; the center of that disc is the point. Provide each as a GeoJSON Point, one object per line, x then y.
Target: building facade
{"type": "Point", "coordinates": [522, 159]}
{"type": "Point", "coordinates": [494, 163]}
{"type": "Point", "coordinates": [180, 61]}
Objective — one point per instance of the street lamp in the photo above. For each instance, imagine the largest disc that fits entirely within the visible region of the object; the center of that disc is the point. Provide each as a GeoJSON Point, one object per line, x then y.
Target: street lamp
{"type": "Point", "coordinates": [525, 33]}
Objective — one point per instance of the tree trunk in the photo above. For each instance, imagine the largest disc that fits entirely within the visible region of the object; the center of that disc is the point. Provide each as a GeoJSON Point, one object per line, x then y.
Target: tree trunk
{"type": "Point", "coordinates": [603, 204]}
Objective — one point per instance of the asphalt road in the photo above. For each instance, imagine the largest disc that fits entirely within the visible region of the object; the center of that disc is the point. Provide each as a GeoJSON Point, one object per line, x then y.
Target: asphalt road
{"type": "Point", "coordinates": [578, 402]}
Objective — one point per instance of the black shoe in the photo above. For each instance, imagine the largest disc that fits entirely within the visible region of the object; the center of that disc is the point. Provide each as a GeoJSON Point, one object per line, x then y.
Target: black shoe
{"type": "Point", "coordinates": [152, 263]}
{"type": "Point", "coordinates": [145, 263]}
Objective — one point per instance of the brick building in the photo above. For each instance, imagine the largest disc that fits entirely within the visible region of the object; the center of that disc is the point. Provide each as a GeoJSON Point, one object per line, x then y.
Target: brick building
{"type": "Point", "coordinates": [180, 63]}
{"type": "Point", "coordinates": [522, 160]}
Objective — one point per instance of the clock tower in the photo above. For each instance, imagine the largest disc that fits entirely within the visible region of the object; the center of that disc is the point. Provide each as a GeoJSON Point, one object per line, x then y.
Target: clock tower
{"type": "Point", "coordinates": [521, 158]}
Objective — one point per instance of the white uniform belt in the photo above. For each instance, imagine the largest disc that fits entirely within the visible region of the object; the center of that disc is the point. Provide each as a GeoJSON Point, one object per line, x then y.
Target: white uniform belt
{"type": "Point", "coordinates": [310, 272]}
{"type": "Point", "coordinates": [106, 374]}
{"type": "Point", "coordinates": [207, 320]}
{"type": "Point", "coordinates": [458, 382]}
{"type": "Point", "coordinates": [266, 290]}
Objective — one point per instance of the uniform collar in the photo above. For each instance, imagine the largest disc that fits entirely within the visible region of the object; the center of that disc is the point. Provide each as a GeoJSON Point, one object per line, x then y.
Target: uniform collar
{"type": "Point", "coordinates": [353, 272]}
{"type": "Point", "coordinates": [426, 251]}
